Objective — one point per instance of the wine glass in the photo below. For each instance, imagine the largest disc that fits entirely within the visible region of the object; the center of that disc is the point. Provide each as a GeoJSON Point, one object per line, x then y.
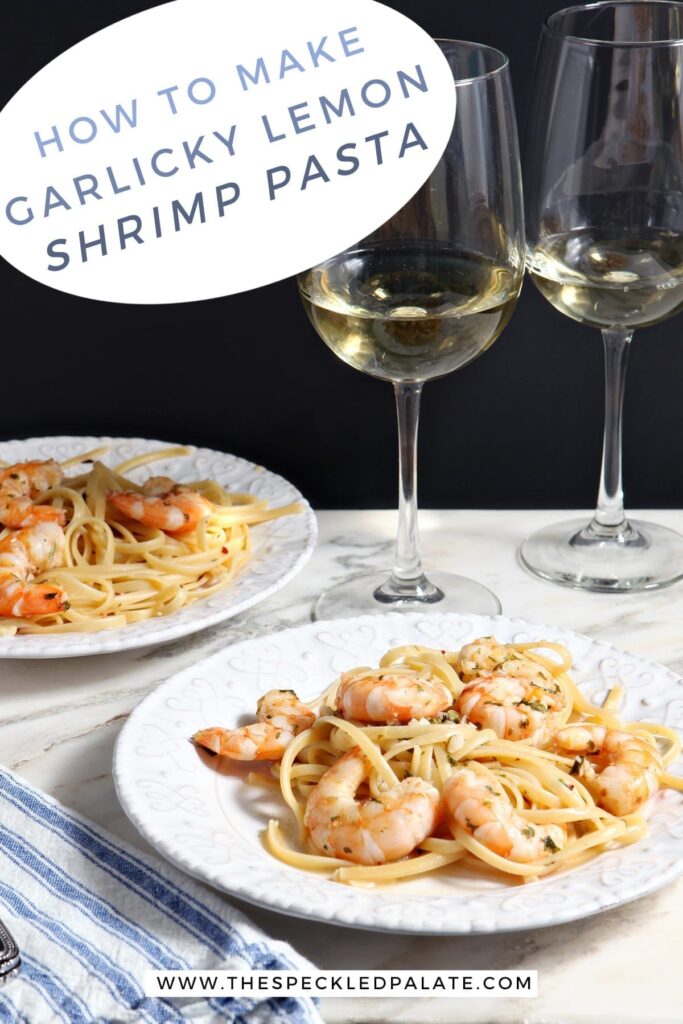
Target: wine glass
{"type": "Point", "coordinates": [426, 293]}
{"type": "Point", "coordinates": [604, 222]}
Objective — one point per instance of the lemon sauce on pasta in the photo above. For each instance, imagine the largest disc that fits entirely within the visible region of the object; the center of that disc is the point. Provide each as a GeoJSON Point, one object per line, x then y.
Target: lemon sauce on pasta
{"type": "Point", "coordinates": [542, 785]}
{"type": "Point", "coordinates": [117, 571]}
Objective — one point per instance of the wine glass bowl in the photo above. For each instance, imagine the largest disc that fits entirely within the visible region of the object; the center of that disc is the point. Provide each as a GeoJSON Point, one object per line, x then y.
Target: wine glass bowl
{"type": "Point", "coordinates": [409, 311]}
{"type": "Point", "coordinates": [425, 294]}
{"type": "Point", "coordinates": [604, 224]}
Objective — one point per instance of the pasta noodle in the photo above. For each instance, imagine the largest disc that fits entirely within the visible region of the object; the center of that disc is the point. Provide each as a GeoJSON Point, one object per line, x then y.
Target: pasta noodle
{"type": "Point", "coordinates": [118, 571]}
{"type": "Point", "coordinates": [541, 782]}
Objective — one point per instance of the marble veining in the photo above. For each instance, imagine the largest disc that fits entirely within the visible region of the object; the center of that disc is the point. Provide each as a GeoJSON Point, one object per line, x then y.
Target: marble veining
{"type": "Point", "coordinates": [59, 722]}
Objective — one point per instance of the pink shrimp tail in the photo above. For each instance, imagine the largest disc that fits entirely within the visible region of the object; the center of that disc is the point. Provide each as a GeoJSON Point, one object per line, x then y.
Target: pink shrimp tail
{"type": "Point", "coordinates": [23, 600]}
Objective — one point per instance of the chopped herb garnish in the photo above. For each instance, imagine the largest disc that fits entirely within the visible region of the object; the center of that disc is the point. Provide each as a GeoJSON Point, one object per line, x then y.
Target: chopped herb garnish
{"type": "Point", "coordinates": [347, 849]}
{"type": "Point", "coordinates": [574, 770]}
{"type": "Point", "coordinates": [551, 845]}
{"type": "Point", "coordinates": [444, 717]}
{"type": "Point", "coordinates": [529, 832]}
{"type": "Point", "coordinates": [536, 705]}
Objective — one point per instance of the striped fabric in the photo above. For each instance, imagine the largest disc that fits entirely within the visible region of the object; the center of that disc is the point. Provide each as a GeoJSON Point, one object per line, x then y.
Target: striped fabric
{"type": "Point", "coordinates": [91, 914]}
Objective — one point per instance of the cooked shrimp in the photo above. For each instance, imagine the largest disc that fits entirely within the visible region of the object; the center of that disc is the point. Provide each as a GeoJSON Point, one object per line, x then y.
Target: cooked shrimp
{"type": "Point", "coordinates": [25, 554]}
{"type": "Point", "coordinates": [479, 805]}
{"type": "Point", "coordinates": [482, 655]}
{"type": "Point", "coordinates": [515, 708]}
{"type": "Point", "coordinates": [20, 485]}
{"type": "Point", "coordinates": [369, 831]}
{"type": "Point", "coordinates": [485, 656]}
{"type": "Point", "coordinates": [391, 697]}
{"type": "Point", "coordinates": [157, 485]}
{"type": "Point", "coordinates": [164, 505]}
{"type": "Point", "coordinates": [620, 770]}
{"type": "Point", "coordinates": [281, 717]}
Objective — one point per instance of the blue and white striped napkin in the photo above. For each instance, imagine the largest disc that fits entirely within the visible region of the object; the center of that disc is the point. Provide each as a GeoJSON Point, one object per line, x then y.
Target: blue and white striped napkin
{"type": "Point", "coordinates": [91, 914]}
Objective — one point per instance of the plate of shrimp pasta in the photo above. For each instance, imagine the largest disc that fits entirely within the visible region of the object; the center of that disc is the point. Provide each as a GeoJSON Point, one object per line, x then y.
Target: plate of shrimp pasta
{"type": "Point", "coordinates": [432, 773]}
{"type": "Point", "coordinates": [108, 544]}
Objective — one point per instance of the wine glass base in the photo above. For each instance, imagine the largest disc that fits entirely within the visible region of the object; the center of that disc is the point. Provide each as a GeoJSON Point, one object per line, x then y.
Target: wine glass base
{"type": "Point", "coordinates": [451, 593]}
{"type": "Point", "coordinates": [638, 556]}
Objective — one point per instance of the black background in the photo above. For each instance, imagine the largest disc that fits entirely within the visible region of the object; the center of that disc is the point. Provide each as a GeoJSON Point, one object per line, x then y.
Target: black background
{"type": "Point", "coordinates": [521, 427]}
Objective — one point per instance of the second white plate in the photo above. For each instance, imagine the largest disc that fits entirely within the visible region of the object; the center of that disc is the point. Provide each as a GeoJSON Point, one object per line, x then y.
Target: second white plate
{"type": "Point", "coordinates": [281, 548]}
{"type": "Point", "coordinates": [210, 824]}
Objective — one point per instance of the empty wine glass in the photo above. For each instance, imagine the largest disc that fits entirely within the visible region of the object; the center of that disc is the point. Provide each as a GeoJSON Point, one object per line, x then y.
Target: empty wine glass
{"type": "Point", "coordinates": [425, 294]}
{"type": "Point", "coordinates": [604, 221]}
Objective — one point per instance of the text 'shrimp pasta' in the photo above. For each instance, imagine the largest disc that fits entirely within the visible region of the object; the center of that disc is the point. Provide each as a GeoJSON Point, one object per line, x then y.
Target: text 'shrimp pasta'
{"type": "Point", "coordinates": [161, 183]}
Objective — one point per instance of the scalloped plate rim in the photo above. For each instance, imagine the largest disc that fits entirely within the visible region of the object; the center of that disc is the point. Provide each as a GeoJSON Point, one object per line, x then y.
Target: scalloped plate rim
{"type": "Point", "coordinates": [171, 627]}
{"type": "Point", "coordinates": [628, 892]}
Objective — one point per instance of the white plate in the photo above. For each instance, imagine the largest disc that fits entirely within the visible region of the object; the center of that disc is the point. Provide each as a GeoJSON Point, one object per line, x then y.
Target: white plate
{"type": "Point", "coordinates": [210, 824]}
{"type": "Point", "coordinates": [281, 547]}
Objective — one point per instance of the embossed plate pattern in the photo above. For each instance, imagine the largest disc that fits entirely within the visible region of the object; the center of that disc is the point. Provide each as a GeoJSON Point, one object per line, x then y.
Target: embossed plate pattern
{"type": "Point", "coordinates": [210, 824]}
{"type": "Point", "coordinates": [281, 548]}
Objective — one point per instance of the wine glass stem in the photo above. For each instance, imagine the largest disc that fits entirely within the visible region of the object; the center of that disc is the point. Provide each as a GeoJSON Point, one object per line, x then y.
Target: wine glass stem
{"type": "Point", "coordinates": [407, 586]}
{"type": "Point", "coordinates": [609, 517]}
{"type": "Point", "coordinates": [407, 561]}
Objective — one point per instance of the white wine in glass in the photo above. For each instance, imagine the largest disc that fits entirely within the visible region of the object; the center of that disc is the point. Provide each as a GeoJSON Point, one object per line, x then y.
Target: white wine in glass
{"type": "Point", "coordinates": [604, 199]}
{"type": "Point", "coordinates": [427, 293]}
{"type": "Point", "coordinates": [611, 282]}
{"type": "Point", "coordinates": [412, 311]}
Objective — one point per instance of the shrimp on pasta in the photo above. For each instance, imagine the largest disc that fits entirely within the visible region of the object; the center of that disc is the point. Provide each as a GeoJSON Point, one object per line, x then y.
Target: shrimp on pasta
{"type": "Point", "coordinates": [621, 770]}
{"type": "Point", "coordinates": [515, 708]}
{"type": "Point", "coordinates": [386, 696]}
{"type": "Point", "coordinates": [489, 755]}
{"type": "Point", "coordinates": [25, 554]}
{"type": "Point", "coordinates": [128, 550]}
{"type": "Point", "coordinates": [280, 717]}
{"type": "Point", "coordinates": [479, 805]}
{"type": "Point", "coordinates": [163, 505]}
{"type": "Point", "coordinates": [20, 485]}
{"type": "Point", "coordinates": [369, 831]}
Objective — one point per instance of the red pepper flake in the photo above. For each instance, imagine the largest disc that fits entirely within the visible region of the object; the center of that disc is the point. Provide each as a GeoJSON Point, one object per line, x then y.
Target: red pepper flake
{"type": "Point", "coordinates": [224, 550]}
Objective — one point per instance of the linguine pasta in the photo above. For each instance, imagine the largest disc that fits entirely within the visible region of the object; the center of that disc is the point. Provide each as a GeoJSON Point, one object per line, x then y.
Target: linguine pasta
{"type": "Point", "coordinates": [542, 785]}
{"type": "Point", "coordinates": [118, 571]}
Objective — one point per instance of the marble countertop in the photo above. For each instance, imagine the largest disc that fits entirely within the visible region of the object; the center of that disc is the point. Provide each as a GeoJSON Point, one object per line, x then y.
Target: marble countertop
{"type": "Point", "coordinates": [59, 721]}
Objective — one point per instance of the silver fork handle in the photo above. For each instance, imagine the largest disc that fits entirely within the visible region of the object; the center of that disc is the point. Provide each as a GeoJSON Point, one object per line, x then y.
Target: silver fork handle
{"type": "Point", "coordinates": [10, 958]}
